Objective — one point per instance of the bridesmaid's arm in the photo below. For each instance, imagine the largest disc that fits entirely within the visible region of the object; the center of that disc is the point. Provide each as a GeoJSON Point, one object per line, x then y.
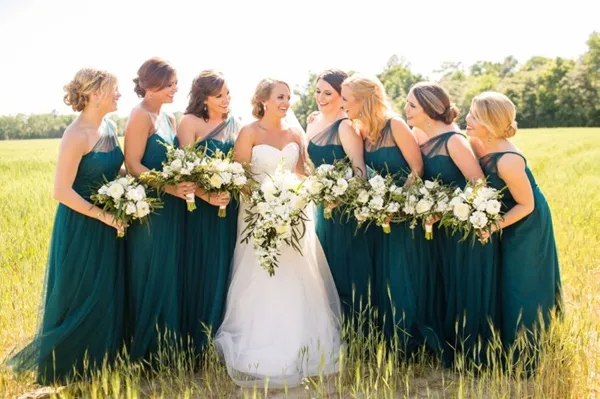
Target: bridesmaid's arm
{"type": "Point", "coordinates": [463, 157]}
{"type": "Point", "coordinates": [73, 146]}
{"type": "Point", "coordinates": [138, 127]}
{"type": "Point", "coordinates": [186, 131]}
{"type": "Point", "coordinates": [409, 146]}
{"type": "Point", "coordinates": [301, 164]}
{"type": "Point", "coordinates": [353, 147]}
{"type": "Point", "coordinates": [511, 169]}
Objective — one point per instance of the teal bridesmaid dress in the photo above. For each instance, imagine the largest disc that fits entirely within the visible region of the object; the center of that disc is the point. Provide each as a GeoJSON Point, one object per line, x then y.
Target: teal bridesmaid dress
{"type": "Point", "coordinates": [209, 244]}
{"type": "Point", "coordinates": [346, 250]}
{"type": "Point", "coordinates": [469, 271]}
{"type": "Point", "coordinates": [530, 274]}
{"type": "Point", "coordinates": [82, 319]}
{"type": "Point", "coordinates": [403, 262]}
{"type": "Point", "coordinates": [154, 254]}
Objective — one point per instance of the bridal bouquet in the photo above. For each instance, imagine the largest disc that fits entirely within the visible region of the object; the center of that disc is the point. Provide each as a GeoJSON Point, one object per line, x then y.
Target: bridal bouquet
{"type": "Point", "coordinates": [181, 166]}
{"type": "Point", "coordinates": [474, 209]}
{"type": "Point", "coordinates": [379, 201]}
{"type": "Point", "coordinates": [331, 185]}
{"type": "Point", "coordinates": [424, 200]}
{"type": "Point", "coordinates": [220, 173]}
{"type": "Point", "coordinates": [125, 198]}
{"type": "Point", "coordinates": [276, 217]}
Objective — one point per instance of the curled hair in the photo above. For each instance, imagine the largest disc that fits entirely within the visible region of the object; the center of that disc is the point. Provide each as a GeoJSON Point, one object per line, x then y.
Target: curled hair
{"type": "Point", "coordinates": [335, 77]}
{"type": "Point", "coordinates": [435, 101]}
{"type": "Point", "coordinates": [153, 74]}
{"type": "Point", "coordinates": [262, 94]}
{"type": "Point", "coordinates": [496, 113]}
{"type": "Point", "coordinates": [209, 83]}
{"type": "Point", "coordinates": [375, 109]}
{"type": "Point", "coordinates": [86, 82]}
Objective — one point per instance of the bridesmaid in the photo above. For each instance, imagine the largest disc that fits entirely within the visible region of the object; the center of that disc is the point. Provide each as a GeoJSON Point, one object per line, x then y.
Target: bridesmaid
{"type": "Point", "coordinates": [331, 137]}
{"type": "Point", "coordinates": [401, 262]}
{"type": "Point", "coordinates": [82, 318]}
{"type": "Point", "coordinates": [209, 239]}
{"type": "Point", "coordinates": [469, 272]}
{"type": "Point", "coordinates": [530, 275]}
{"type": "Point", "coordinates": [154, 251]}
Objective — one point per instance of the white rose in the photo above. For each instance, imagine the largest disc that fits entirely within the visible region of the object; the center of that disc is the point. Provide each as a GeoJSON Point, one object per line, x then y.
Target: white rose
{"type": "Point", "coordinates": [361, 214]}
{"type": "Point", "coordinates": [142, 209]}
{"type": "Point", "coordinates": [409, 209]}
{"type": "Point", "coordinates": [116, 191]}
{"type": "Point", "coordinates": [236, 168]}
{"type": "Point", "coordinates": [487, 192]}
{"type": "Point", "coordinates": [141, 191]}
{"type": "Point", "coordinates": [430, 185]}
{"type": "Point", "coordinates": [461, 211]}
{"type": "Point", "coordinates": [376, 203]}
{"type": "Point", "coordinates": [478, 219]}
{"type": "Point", "coordinates": [226, 176]}
{"type": "Point", "coordinates": [239, 180]}
{"type": "Point", "coordinates": [176, 165]}
{"type": "Point", "coordinates": [133, 195]}
{"type": "Point", "coordinates": [493, 207]}
{"type": "Point", "coordinates": [363, 196]}
{"type": "Point", "coordinates": [130, 209]}
{"type": "Point", "coordinates": [423, 206]}
{"type": "Point", "coordinates": [424, 191]}
{"type": "Point", "coordinates": [392, 207]}
{"type": "Point", "coordinates": [441, 206]}
{"type": "Point", "coordinates": [103, 190]}
{"type": "Point", "coordinates": [342, 183]}
{"type": "Point", "coordinates": [377, 182]}
{"type": "Point", "coordinates": [456, 201]}
{"type": "Point", "coordinates": [123, 181]}
{"type": "Point", "coordinates": [216, 181]}
{"type": "Point", "coordinates": [338, 191]}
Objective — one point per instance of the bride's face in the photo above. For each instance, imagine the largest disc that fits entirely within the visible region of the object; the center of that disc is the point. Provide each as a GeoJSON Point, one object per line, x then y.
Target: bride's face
{"type": "Point", "coordinates": [279, 101]}
{"type": "Point", "coordinates": [350, 104]}
{"type": "Point", "coordinates": [327, 98]}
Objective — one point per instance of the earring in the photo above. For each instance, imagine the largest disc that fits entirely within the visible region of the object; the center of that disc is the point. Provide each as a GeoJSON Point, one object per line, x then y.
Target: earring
{"type": "Point", "coordinates": [489, 138]}
{"type": "Point", "coordinates": [360, 114]}
{"type": "Point", "coordinates": [264, 105]}
{"type": "Point", "coordinates": [97, 103]}
{"type": "Point", "coordinates": [205, 108]}
{"type": "Point", "coordinates": [428, 123]}
{"type": "Point", "coordinates": [150, 96]}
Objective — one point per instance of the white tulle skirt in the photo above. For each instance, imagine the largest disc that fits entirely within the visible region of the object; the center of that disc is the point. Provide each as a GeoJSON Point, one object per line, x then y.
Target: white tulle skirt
{"type": "Point", "coordinates": [283, 328]}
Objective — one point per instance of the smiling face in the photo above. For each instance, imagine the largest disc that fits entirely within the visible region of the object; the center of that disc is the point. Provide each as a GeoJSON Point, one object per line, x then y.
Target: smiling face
{"type": "Point", "coordinates": [350, 103]}
{"type": "Point", "coordinates": [166, 94]}
{"type": "Point", "coordinates": [279, 101]}
{"type": "Point", "coordinates": [219, 103]}
{"type": "Point", "coordinates": [110, 99]}
{"type": "Point", "coordinates": [327, 98]}
{"type": "Point", "coordinates": [415, 115]}
{"type": "Point", "coordinates": [474, 128]}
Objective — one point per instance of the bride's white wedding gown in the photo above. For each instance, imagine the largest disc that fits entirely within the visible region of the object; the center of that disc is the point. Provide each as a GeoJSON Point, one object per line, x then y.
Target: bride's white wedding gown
{"type": "Point", "coordinates": [285, 327]}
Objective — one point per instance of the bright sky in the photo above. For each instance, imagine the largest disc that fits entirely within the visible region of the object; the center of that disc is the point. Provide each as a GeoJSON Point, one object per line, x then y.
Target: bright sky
{"type": "Point", "coordinates": [44, 42]}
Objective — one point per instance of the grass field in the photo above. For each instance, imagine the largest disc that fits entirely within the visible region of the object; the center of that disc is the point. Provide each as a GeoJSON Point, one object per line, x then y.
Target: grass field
{"type": "Point", "coordinates": [566, 163]}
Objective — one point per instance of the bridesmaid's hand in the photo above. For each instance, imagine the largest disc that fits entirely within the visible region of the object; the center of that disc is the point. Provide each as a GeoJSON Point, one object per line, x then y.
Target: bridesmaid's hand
{"type": "Point", "coordinates": [110, 220]}
{"type": "Point", "coordinates": [433, 220]}
{"type": "Point", "coordinates": [220, 199]}
{"type": "Point", "coordinates": [181, 190]}
{"type": "Point", "coordinates": [484, 235]}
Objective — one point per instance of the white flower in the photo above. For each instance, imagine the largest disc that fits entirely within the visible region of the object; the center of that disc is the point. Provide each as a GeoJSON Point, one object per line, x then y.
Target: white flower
{"type": "Point", "coordinates": [424, 206]}
{"type": "Point", "coordinates": [487, 192]}
{"type": "Point", "coordinates": [133, 195]}
{"type": "Point", "coordinates": [236, 168]}
{"type": "Point", "coordinates": [141, 191]}
{"type": "Point", "coordinates": [179, 153]}
{"type": "Point", "coordinates": [361, 214]}
{"type": "Point", "coordinates": [349, 173]}
{"type": "Point", "coordinates": [392, 207]}
{"type": "Point", "coordinates": [130, 209]}
{"type": "Point", "coordinates": [239, 180]}
{"type": "Point", "coordinates": [376, 203]}
{"type": "Point", "coordinates": [116, 191]}
{"type": "Point", "coordinates": [123, 181]}
{"type": "Point", "coordinates": [430, 184]}
{"type": "Point", "coordinates": [456, 201]}
{"type": "Point", "coordinates": [226, 176]}
{"type": "Point", "coordinates": [363, 197]}
{"type": "Point", "coordinates": [142, 209]}
{"type": "Point", "coordinates": [216, 181]}
{"type": "Point", "coordinates": [441, 206]}
{"type": "Point", "coordinates": [313, 186]}
{"type": "Point", "coordinates": [478, 219]}
{"type": "Point", "coordinates": [461, 211]}
{"type": "Point", "coordinates": [342, 183]}
{"type": "Point", "coordinates": [283, 230]}
{"type": "Point", "coordinates": [493, 207]}
{"type": "Point", "coordinates": [324, 169]}
{"type": "Point", "coordinates": [176, 165]}
{"type": "Point", "coordinates": [424, 191]}
{"type": "Point", "coordinates": [268, 188]}
{"type": "Point", "coordinates": [103, 190]}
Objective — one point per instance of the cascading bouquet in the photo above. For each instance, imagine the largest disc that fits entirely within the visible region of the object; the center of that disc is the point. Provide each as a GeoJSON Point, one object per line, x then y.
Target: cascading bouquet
{"type": "Point", "coordinates": [378, 200]}
{"type": "Point", "coordinates": [220, 173]}
{"type": "Point", "coordinates": [125, 199]}
{"type": "Point", "coordinates": [473, 210]}
{"type": "Point", "coordinates": [424, 200]}
{"type": "Point", "coordinates": [275, 217]}
{"type": "Point", "coordinates": [331, 185]}
{"type": "Point", "coordinates": [182, 165]}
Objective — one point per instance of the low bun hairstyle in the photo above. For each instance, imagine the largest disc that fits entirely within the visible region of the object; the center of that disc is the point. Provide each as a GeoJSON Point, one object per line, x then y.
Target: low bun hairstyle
{"type": "Point", "coordinates": [86, 82]}
{"type": "Point", "coordinates": [153, 74]}
{"type": "Point", "coordinates": [262, 94]}
{"type": "Point", "coordinates": [335, 78]}
{"type": "Point", "coordinates": [496, 113]}
{"type": "Point", "coordinates": [435, 101]}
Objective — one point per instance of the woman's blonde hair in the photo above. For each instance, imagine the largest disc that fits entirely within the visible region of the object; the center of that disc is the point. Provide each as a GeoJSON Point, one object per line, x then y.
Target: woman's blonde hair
{"type": "Point", "coordinates": [262, 94]}
{"type": "Point", "coordinates": [375, 109]}
{"type": "Point", "coordinates": [496, 113]}
{"type": "Point", "coordinates": [86, 82]}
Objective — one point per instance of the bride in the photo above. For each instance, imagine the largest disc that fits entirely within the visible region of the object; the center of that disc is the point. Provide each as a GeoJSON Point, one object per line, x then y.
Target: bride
{"type": "Point", "coordinates": [278, 330]}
